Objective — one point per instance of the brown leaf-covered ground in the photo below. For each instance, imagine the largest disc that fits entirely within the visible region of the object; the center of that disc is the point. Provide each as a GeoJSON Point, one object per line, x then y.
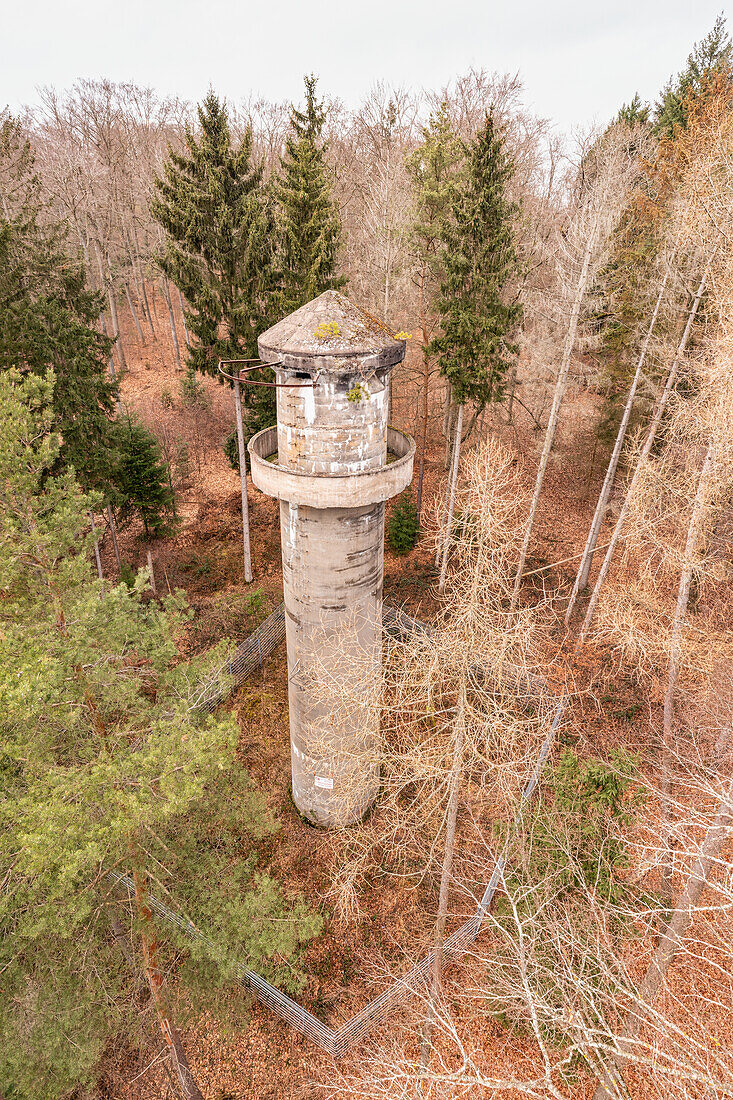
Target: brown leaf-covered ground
{"type": "Point", "coordinates": [267, 1059]}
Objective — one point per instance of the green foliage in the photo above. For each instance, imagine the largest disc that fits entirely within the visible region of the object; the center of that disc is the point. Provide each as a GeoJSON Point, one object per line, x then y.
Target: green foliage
{"type": "Point", "coordinates": [565, 901]}
{"type": "Point", "coordinates": [219, 248]}
{"type": "Point", "coordinates": [576, 832]}
{"type": "Point", "coordinates": [309, 226]}
{"type": "Point", "coordinates": [48, 319]}
{"type": "Point", "coordinates": [144, 477]}
{"type": "Point", "coordinates": [327, 330]}
{"type": "Point", "coordinates": [127, 574]}
{"type": "Point", "coordinates": [712, 54]}
{"type": "Point", "coordinates": [103, 763]}
{"type": "Point", "coordinates": [357, 393]}
{"type": "Point", "coordinates": [231, 450]}
{"type": "Point", "coordinates": [435, 171]}
{"type": "Point", "coordinates": [403, 530]}
{"type": "Point", "coordinates": [193, 392]}
{"type": "Point", "coordinates": [634, 113]}
{"type": "Point", "coordinates": [479, 259]}
{"type": "Point", "coordinates": [247, 908]}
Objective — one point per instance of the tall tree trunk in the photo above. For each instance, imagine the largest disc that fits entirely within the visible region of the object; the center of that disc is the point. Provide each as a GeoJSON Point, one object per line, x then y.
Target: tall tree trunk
{"type": "Point", "coordinates": [115, 320]}
{"type": "Point", "coordinates": [452, 496]}
{"type": "Point", "coordinates": [512, 387]}
{"type": "Point", "coordinates": [447, 423]}
{"type": "Point", "coordinates": [183, 319]}
{"type": "Point", "coordinates": [113, 532]}
{"type": "Point", "coordinates": [151, 571]}
{"type": "Point", "coordinates": [697, 519]}
{"type": "Point", "coordinates": [133, 313]}
{"type": "Point", "coordinates": [426, 396]}
{"type": "Point", "coordinates": [646, 451]}
{"type": "Point", "coordinates": [445, 881]}
{"type": "Point", "coordinates": [146, 305]}
{"type": "Point", "coordinates": [102, 316]}
{"type": "Point", "coordinates": [586, 561]}
{"type": "Point", "coordinates": [107, 284]}
{"type": "Point", "coordinates": [243, 480]}
{"type": "Point", "coordinates": [96, 548]}
{"type": "Point", "coordinates": [171, 318]}
{"type": "Point", "coordinates": [670, 941]}
{"type": "Point", "coordinates": [171, 1036]}
{"type": "Point", "coordinates": [560, 386]}
{"type": "Point", "coordinates": [143, 293]}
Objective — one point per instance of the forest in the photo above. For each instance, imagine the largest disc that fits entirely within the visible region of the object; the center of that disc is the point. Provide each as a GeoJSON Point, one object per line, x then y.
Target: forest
{"type": "Point", "coordinates": [537, 901]}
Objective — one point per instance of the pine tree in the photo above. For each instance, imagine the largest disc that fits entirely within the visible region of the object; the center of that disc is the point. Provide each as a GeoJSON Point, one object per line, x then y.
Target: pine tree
{"type": "Point", "coordinates": [105, 764]}
{"type": "Point", "coordinates": [308, 220]}
{"type": "Point", "coordinates": [143, 477]}
{"type": "Point", "coordinates": [712, 54]}
{"type": "Point", "coordinates": [218, 249]}
{"type": "Point", "coordinates": [475, 348]}
{"type": "Point", "coordinates": [634, 113]}
{"type": "Point", "coordinates": [434, 170]}
{"type": "Point", "coordinates": [48, 317]}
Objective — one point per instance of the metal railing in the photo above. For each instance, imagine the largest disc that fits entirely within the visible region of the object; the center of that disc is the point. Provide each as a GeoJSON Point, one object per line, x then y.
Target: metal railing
{"type": "Point", "coordinates": [336, 1041]}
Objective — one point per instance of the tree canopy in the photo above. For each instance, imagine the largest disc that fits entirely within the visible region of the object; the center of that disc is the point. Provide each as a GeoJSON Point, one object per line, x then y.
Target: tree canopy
{"type": "Point", "coordinates": [475, 348]}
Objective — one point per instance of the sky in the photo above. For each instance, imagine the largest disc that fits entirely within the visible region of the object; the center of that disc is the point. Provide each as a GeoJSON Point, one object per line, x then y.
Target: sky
{"type": "Point", "coordinates": [579, 59]}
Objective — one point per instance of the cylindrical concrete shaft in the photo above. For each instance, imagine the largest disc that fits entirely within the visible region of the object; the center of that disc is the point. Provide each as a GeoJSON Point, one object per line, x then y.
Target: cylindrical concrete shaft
{"type": "Point", "coordinates": [332, 582]}
{"type": "Point", "coordinates": [333, 564]}
{"type": "Point", "coordinates": [333, 556]}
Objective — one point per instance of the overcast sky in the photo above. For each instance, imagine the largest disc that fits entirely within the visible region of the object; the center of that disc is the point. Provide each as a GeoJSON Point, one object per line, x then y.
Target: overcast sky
{"type": "Point", "coordinates": [579, 59]}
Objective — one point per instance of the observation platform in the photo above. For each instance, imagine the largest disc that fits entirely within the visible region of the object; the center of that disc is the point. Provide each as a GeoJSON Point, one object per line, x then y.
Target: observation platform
{"type": "Point", "coordinates": [354, 489]}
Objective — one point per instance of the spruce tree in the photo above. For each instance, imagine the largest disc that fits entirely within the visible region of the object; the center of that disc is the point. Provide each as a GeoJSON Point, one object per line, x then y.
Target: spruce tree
{"type": "Point", "coordinates": [143, 477]}
{"type": "Point", "coordinates": [434, 171]}
{"type": "Point", "coordinates": [219, 248]}
{"type": "Point", "coordinates": [712, 54]}
{"type": "Point", "coordinates": [475, 349]}
{"type": "Point", "coordinates": [308, 220]}
{"type": "Point", "coordinates": [211, 204]}
{"type": "Point", "coordinates": [106, 765]}
{"type": "Point", "coordinates": [403, 529]}
{"type": "Point", "coordinates": [48, 317]}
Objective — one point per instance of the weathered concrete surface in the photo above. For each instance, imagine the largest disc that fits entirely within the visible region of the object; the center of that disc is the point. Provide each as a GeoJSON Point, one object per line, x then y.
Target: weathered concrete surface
{"type": "Point", "coordinates": [332, 478]}
{"type": "Point", "coordinates": [331, 490]}
{"type": "Point", "coordinates": [299, 340]}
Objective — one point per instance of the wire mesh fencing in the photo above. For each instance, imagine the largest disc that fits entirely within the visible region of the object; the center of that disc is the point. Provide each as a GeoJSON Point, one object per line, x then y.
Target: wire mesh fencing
{"type": "Point", "coordinates": [250, 656]}
{"type": "Point", "coordinates": [246, 659]}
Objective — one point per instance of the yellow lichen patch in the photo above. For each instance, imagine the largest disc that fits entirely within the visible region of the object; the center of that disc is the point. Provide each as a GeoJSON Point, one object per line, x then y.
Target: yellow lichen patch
{"type": "Point", "coordinates": [327, 330]}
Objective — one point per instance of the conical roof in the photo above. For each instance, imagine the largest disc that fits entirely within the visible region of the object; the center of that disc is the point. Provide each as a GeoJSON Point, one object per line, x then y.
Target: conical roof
{"type": "Point", "coordinates": [334, 330]}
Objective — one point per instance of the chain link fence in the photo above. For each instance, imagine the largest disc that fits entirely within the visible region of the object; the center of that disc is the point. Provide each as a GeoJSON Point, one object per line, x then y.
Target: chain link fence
{"type": "Point", "coordinates": [248, 657]}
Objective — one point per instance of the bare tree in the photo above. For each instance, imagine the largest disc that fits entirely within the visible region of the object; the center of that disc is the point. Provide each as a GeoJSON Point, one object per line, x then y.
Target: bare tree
{"type": "Point", "coordinates": [586, 240]}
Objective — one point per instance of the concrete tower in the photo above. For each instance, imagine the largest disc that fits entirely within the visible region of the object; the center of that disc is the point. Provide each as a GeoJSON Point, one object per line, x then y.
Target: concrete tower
{"type": "Point", "coordinates": [327, 462]}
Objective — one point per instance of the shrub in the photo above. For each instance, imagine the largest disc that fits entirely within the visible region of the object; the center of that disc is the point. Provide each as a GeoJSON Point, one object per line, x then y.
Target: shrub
{"type": "Point", "coordinates": [403, 528]}
{"type": "Point", "coordinates": [193, 392]}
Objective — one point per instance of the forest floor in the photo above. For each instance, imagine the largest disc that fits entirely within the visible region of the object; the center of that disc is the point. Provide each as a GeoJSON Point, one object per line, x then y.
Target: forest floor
{"type": "Point", "coordinates": [204, 557]}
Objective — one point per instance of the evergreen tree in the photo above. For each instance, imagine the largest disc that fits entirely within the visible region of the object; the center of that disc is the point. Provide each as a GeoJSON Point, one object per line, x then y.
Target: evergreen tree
{"type": "Point", "coordinates": [143, 477]}
{"type": "Point", "coordinates": [403, 527]}
{"type": "Point", "coordinates": [475, 348]}
{"type": "Point", "coordinates": [634, 113]}
{"type": "Point", "coordinates": [105, 764]}
{"type": "Point", "coordinates": [308, 219]}
{"type": "Point", "coordinates": [434, 170]}
{"type": "Point", "coordinates": [48, 318]}
{"type": "Point", "coordinates": [712, 54]}
{"type": "Point", "coordinates": [219, 248]}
